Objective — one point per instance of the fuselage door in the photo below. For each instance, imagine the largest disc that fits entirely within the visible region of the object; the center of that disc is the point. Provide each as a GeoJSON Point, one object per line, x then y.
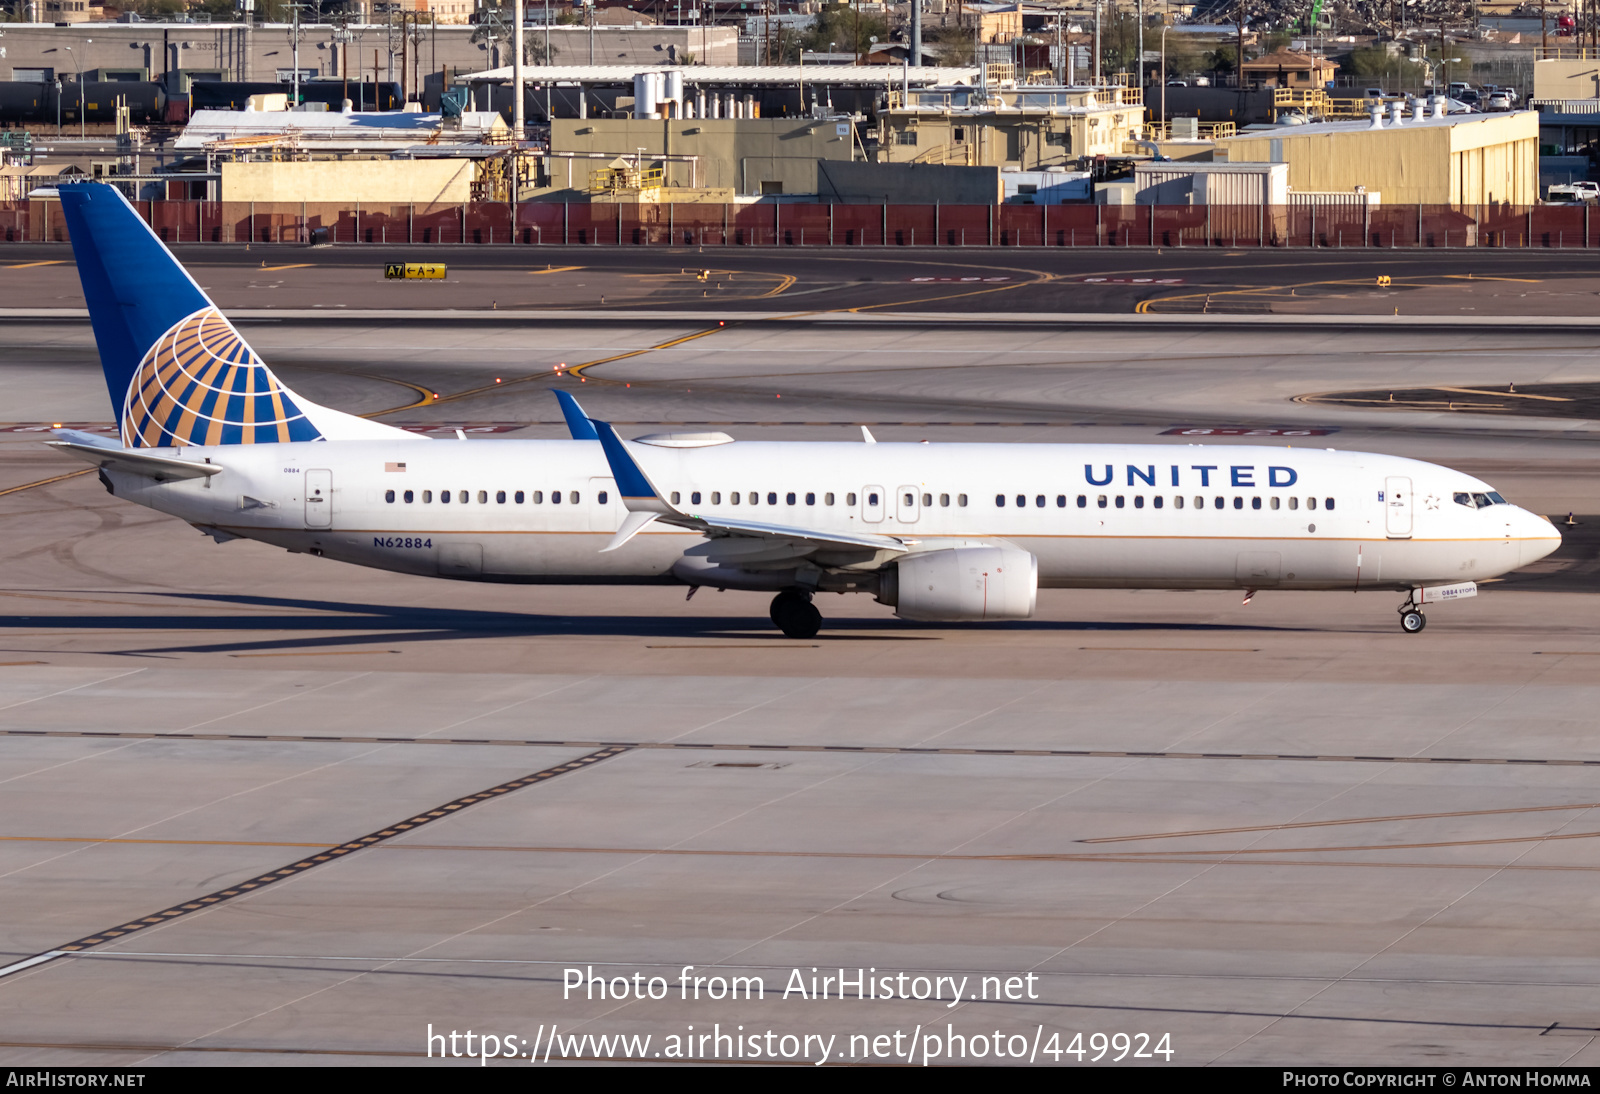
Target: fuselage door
{"type": "Point", "coordinates": [906, 508]}
{"type": "Point", "coordinates": [872, 504]}
{"type": "Point", "coordinates": [604, 515]}
{"type": "Point", "coordinates": [319, 498]}
{"type": "Point", "coordinates": [1397, 507]}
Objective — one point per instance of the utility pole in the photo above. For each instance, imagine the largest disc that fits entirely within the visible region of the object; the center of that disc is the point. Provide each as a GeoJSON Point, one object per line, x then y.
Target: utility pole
{"type": "Point", "coordinates": [1140, 10]}
{"type": "Point", "coordinates": [1097, 42]}
{"type": "Point", "coordinates": [295, 34]}
{"type": "Point", "coordinates": [1544, 34]}
{"type": "Point", "coordinates": [518, 122]}
{"type": "Point", "coordinates": [916, 33]}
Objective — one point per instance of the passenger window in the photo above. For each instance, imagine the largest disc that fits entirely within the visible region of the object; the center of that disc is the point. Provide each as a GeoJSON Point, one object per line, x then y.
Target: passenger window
{"type": "Point", "coordinates": [1199, 502]}
{"type": "Point", "coordinates": [461, 496]}
{"type": "Point", "coordinates": [849, 499]}
{"type": "Point", "coordinates": [602, 498]}
{"type": "Point", "coordinates": [410, 497]}
{"type": "Point", "coordinates": [694, 498]}
{"type": "Point", "coordinates": [1038, 502]}
{"type": "Point", "coordinates": [1294, 503]}
{"type": "Point", "coordinates": [519, 497]}
{"type": "Point", "coordinates": [927, 499]}
{"type": "Point", "coordinates": [772, 498]}
{"type": "Point", "coordinates": [1221, 502]}
{"type": "Point", "coordinates": [754, 498]}
{"type": "Point", "coordinates": [676, 497]}
{"type": "Point", "coordinates": [961, 500]}
{"type": "Point", "coordinates": [1327, 503]}
{"type": "Point", "coordinates": [555, 497]}
{"type": "Point", "coordinates": [944, 501]}
{"type": "Point", "coordinates": [1156, 501]}
{"type": "Point", "coordinates": [572, 496]}
{"type": "Point", "coordinates": [538, 497]}
{"type": "Point", "coordinates": [827, 499]}
{"type": "Point", "coordinates": [1238, 503]}
{"type": "Point", "coordinates": [444, 497]}
{"type": "Point", "coordinates": [427, 496]}
{"type": "Point", "coordinates": [1022, 501]}
{"type": "Point", "coordinates": [1274, 503]}
{"type": "Point", "coordinates": [1311, 503]}
{"type": "Point", "coordinates": [388, 496]}
{"type": "Point", "coordinates": [1083, 501]}
{"type": "Point", "coordinates": [1061, 501]}
{"type": "Point", "coordinates": [1255, 503]}
{"type": "Point", "coordinates": [1101, 501]}
{"type": "Point", "coordinates": [733, 497]}
{"type": "Point", "coordinates": [1177, 502]}
{"type": "Point", "coordinates": [1120, 501]}
{"type": "Point", "coordinates": [716, 497]}
{"type": "Point", "coordinates": [811, 499]}
{"type": "Point", "coordinates": [788, 499]}
{"type": "Point", "coordinates": [500, 497]}
{"type": "Point", "coordinates": [1000, 501]}
{"type": "Point", "coordinates": [483, 497]}
{"type": "Point", "coordinates": [1138, 501]}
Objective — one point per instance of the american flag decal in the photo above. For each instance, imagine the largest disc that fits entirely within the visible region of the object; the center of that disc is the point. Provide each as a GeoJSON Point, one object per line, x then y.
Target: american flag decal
{"type": "Point", "coordinates": [394, 467]}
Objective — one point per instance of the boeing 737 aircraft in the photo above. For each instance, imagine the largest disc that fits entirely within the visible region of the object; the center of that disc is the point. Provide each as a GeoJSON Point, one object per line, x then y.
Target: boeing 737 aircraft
{"type": "Point", "coordinates": [948, 532]}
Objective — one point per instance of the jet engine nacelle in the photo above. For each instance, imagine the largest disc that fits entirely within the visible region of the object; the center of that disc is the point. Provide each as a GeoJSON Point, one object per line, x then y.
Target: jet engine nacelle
{"type": "Point", "coordinates": [963, 584]}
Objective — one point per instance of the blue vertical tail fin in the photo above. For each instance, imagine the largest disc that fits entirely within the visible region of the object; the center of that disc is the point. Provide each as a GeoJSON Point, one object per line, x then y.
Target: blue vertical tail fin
{"type": "Point", "coordinates": [177, 371]}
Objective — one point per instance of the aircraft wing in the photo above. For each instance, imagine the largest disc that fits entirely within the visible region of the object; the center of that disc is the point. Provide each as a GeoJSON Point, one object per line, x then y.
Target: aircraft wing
{"type": "Point", "coordinates": [160, 468]}
{"type": "Point", "coordinates": [646, 505]}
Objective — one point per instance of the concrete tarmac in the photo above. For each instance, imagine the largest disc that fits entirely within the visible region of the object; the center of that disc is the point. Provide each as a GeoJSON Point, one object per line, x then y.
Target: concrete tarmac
{"type": "Point", "coordinates": [264, 808]}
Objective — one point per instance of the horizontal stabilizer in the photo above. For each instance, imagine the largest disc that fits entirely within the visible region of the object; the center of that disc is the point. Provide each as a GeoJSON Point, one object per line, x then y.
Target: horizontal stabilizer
{"type": "Point", "coordinates": [160, 468]}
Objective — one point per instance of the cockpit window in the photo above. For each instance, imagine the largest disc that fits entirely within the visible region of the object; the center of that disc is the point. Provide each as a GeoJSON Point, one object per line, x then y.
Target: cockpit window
{"type": "Point", "coordinates": [1479, 501]}
{"type": "Point", "coordinates": [1496, 499]}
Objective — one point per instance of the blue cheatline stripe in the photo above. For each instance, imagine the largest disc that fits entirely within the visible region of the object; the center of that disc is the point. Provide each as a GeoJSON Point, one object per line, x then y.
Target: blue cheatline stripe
{"type": "Point", "coordinates": [578, 423]}
{"type": "Point", "coordinates": [631, 482]}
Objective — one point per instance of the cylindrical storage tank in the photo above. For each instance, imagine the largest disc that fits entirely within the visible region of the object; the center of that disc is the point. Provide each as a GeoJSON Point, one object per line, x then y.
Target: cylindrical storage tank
{"type": "Point", "coordinates": [673, 92]}
{"type": "Point", "coordinates": [752, 109]}
{"type": "Point", "coordinates": [727, 106]}
{"type": "Point", "coordinates": [645, 88]}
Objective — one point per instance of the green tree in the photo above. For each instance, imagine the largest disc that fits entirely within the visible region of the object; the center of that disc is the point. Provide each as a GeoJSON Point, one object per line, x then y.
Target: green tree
{"type": "Point", "coordinates": [842, 29]}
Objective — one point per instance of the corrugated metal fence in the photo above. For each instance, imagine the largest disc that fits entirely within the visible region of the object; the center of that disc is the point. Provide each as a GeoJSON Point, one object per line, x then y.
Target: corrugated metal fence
{"type": "Point", "coordinates": [769, 225]}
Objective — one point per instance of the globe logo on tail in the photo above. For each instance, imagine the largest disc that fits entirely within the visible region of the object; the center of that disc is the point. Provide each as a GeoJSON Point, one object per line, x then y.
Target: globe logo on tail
{"type": "Point", "coordinates": [200, 384]}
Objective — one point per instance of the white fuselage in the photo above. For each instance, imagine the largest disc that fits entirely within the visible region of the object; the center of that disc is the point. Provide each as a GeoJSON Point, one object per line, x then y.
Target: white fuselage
{"type": "Point", "coordinates": [1116, 516]}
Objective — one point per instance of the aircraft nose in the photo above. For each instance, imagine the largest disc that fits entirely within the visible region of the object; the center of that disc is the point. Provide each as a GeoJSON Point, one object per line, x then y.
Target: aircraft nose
{"type": "Point", "coordinates": [1538, 537]}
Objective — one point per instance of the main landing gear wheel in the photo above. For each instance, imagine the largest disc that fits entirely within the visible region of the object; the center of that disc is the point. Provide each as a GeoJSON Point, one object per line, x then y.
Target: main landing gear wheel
{"type": "Point", "coordinates": [1412, 621]}
{"type": "Point", "coordinates": [795, 615]}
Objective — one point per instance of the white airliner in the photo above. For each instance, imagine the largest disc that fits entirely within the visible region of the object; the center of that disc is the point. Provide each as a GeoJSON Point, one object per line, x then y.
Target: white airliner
{"type": "Point", "coordinates": [948, 532]}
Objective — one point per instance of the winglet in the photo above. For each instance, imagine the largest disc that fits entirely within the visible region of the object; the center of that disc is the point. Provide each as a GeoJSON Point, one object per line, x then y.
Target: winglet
{"type": "Point", "coordinates": [639, 494]}
{"type": "Point", "coordinates": [578, 423]}
{"type": "Point", "coordinates": [632, 525]}
{"type": "Point", "coordinates": [866, 435]}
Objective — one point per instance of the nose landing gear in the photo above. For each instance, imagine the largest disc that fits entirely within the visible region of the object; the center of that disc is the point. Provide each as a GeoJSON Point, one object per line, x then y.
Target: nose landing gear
{"type": "Point", "coordinates": [795, 615]}
{"type": "Point", "coordinates": [1411, 620]}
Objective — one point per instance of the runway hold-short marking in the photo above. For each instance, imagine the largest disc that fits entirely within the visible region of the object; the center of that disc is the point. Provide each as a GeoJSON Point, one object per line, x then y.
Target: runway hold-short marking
{"type": "Point", "coordinates": [891, 750]}
{"type": "Point", "coordinates": [310, 862]}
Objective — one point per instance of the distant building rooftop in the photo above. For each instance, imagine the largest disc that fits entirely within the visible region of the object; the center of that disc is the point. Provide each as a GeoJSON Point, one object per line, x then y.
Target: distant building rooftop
{"type": "Point", "coordinates": [749, 75]}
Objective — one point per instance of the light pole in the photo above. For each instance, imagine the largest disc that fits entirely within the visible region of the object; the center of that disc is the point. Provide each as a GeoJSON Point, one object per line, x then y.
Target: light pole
{"type": "Point", "coordinates": [77, 63]}
{"type": "Point", "coordinates": [1097, 42]}
{"type": "Point", "coordinates": [58, 106]}
{"type": "Point", "coordinates": [1163, 78]}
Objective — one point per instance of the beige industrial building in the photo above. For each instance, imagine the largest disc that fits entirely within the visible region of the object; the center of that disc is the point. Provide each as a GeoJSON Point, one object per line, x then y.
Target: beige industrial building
{"type": "Point", "coordinates": [1028, 127]}
{"type": "Point", "coordinates": [1562, 79]}
{"type": "Point", "coordinates": [1456, 159]}
{"type": "Point", "coordinates": [261, 52]}
{"type": "Point", "coordinates": [741, 155]}
{"type": "Point", "coordinates": [393, 182]}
